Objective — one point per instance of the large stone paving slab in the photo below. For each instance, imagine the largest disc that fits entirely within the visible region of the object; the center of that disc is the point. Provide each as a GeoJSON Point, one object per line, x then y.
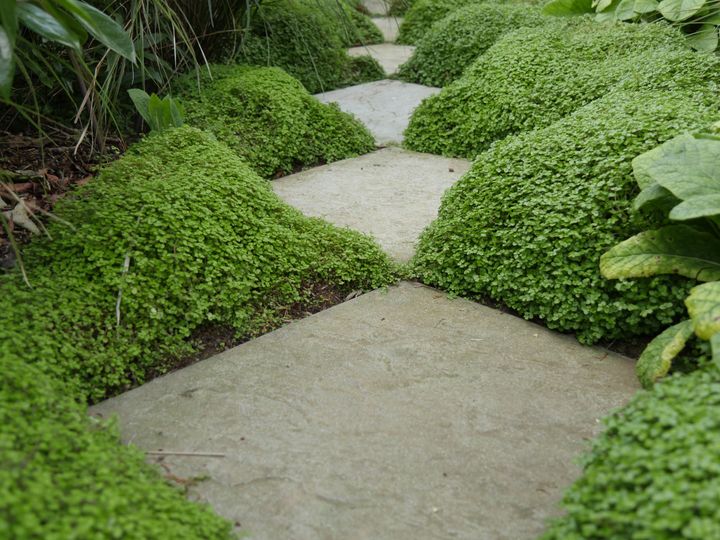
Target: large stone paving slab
{"type": "Point", "coordinates": [391, 194]}
{"type": "Point", "coordinates": [389, 26]}
{"type": "Point", "coordinates": [399, 415]}
{"type": "Point", "coordinates": [385, 107]}
{"type": "Point", "coordinates": [376, 7]}
{"type": "Point", "coordinates": [388, 55]}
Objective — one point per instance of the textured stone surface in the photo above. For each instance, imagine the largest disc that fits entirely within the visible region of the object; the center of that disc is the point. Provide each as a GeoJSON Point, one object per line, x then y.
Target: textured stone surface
{"type": "Point", "coordinates": [389, 26]}
{"type": "Point", "coordinates": [376, 7]}
{"type": "Point", "coordinates": [384, 107]}
{"type": "Point", "coordinates": [388, 55]}
{"type": "Point", "coordinates": [391, 194]}
{"type": "Point", "coordinates": [401, 414]}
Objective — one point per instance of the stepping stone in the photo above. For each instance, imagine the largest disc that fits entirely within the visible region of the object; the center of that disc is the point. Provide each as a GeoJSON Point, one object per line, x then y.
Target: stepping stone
{"type": "Point", "coordinates": [384, 106]}
{"type": "Point", "coordinates": [389, 26]}
{"type": "Point", "coordinates": [401, 414]}
{"type": "Point", "coordinates": [388, 55]}
{"type": "Point", "coordinates": [376, 7]}
{"type": "Point", "coordinates": [391, 194]}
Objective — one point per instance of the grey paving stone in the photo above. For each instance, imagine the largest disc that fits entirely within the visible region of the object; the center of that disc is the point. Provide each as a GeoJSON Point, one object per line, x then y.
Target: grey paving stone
{"type": "Point", "coordinates": [389, 26]}
{"type": "Point", "coordinates": [388, 55]}
{"type": "Point", "coordinates": [391, 194]}
{"type": "Point", "coordinates": [385, 107]}
{"type": "Point", "coordinates": [399, 415]}
{"type": "Point", "coordinates": [376, 7]}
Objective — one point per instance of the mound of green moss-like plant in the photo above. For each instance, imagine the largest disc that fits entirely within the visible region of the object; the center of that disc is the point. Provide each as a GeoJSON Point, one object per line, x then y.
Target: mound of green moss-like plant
{"type": "Point", "coordinates": [654, 473]}
{"type": "Point", "coordinates": [64, 475]}
{"type": "Point", "coordinates": [455, 41]}
{"type": "Point", "coordinates": [355, 27]}
{"type": "Point", "coordinates": [176, 235]}
{"type": "Point", "coordinates": [534, 76]}
{"type": "Point", "coordinates": [526, 226]}
{"type": "Point", "coordinates": [309, 40]}
{"type": "Point", "coordinates": [269, 119]}
{"type": "Point", "coordinates": [420, 17]}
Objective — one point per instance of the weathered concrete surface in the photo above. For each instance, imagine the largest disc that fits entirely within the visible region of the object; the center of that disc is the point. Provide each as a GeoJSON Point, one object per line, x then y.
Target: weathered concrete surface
{"type": "Point", "coordinates": [389, 26]}
{"type": "Point", "coordinates": [388, 55]}
{"type": "Point", "coordinates": [399, 415]}
{"type": "Point", "coordinates": [385, 107]}
{"type": "Point", "coordinates": [391, 194]}
{"type": "Point", "coordinates": [376, 7]}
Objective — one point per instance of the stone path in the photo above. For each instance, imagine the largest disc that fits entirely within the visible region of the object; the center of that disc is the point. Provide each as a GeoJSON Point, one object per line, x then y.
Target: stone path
{"type": "Point", "coordinates": [401, 414]}
{"type": "Point", "coordinates": [388, 55]}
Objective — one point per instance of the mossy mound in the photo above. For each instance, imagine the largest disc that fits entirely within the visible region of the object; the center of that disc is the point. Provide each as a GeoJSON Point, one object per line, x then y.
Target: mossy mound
{"type": "Point", "coordinates": [654, 472]}
{"type": "Point", "coordinates": [177, 234]}
{"type": "Point", "coordinates": [308, 40]}
{"type": "Point", "coordinates": [454, 42]}
{"type": "Point", "coordinates": [534, 76]}
{"type": "Point", "coordinates": [269, 119]}
{"type": "Point", "coordinates": [420, 17]}
{"type": "Point", "coordinates": [66, 476]}
{"type": "Point", "coordinates": [526, 226]}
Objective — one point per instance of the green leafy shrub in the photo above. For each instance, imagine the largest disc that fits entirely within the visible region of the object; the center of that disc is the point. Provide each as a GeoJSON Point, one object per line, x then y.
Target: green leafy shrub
{"type": "Point", "coordinates": [357, 28]}
{"type": "Point", "coordinates": [420, 17]}
{"type": "Point", "coordinates": [65, 476]}
{"type": "Point", "coordinates": [269, 119]}
{"type": "Point", "coordinates": [681, 176]}
{"type": "Point", "coordinates": [534, 76]}
{"type": "Point", "coordinates": [159, 114]}
{"type": "Point", "coordinates": [528, 223]}
{"type": "Point", "coordinates": [400, 7]}
{"type": "Point", "coordinates": [455, 41]}
{"type": "Point", "coordinates": [176, 234]}
{"type": "Point", "coordinates": [654, 473]}
{"type": "Point", "coordinates": [306, 40]}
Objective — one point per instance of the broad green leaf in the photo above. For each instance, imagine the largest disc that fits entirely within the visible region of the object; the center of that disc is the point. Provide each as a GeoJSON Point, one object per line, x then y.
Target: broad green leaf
{"type": "Point", "coordinates": [705, 39]}
{"type": "Point", "coordinates": [566, 8]}
{"type": "Point", "coordinates": [676, 249]}
{"type": "Point", "coordinates": [679, 10]}
{"type": "Point", "coordinates": [697, 207]}
{"type": "Point", "coordinates": [711, 17]}
{"type": "Point", "coordinates": [7, 65]}
{"type": "Point", "coordinates": [715, 348]}
{"type": "Point", "coordinates": [140, 99]}
{"type": "Point", "coordinates": [602, 5]}
{"type": "Point", "coordinates": [655, 197]}
{"type": "Point", "coordinates": [40, 21]}
{"type": "Point", "coordinates": [646, 6]}
{"type": "Point", "coordinates": [703, 305]}
{"type": "Point", "coordinates": [156, 112]}
{"type": "Point", "coordinates": [176, 112]}
{"type": "Point", "coordinates": [625, 10]}
{"type": "Point", "coordinates": [656, 359]}
{"type": "Point", "coordinates": [642, 163]}
{"type": "Point", "coordinates": [107, 31]}
{"type": "Point", "coordinates": [687, 166]}
{"type": "Point", "coordinates": [9, 21]}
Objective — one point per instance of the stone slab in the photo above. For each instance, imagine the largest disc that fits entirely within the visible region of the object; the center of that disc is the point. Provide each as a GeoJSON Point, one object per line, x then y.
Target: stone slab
{"type": "Point", "coordinates": [391, 194]}
{"type": "Point", "coordinates": [389, 26]}
{"type": "Point", "coordinates": [385, 107]}
{"type": "Point", "coordinates": [401, 414]}
{"type": "Point", "coordinates": [376, 7]}
{"type": "Point", "coordinates": [388, 55]}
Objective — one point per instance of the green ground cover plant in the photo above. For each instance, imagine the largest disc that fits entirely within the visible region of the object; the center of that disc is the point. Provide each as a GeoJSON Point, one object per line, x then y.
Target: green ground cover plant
{"type": "Point", "coordinates": [681, 177]}
{"type": "Point", "coordinates": [308, 39]}
{"type": "Point", "coordinates": [534, 76]}
{"type": "Point", "coordinates": [454, 42]}
{"type": "Point", "coordinates": [528, 223]}
{"type": "Point", "coordinates": [420, 17]}
{"type": "Point", "coordinates": [269, 119]}
{"type": "Point", "coordinates": [654, 472]}
{"type": "Point", "coordinates": [398, 8]}
{"type": "Point", "coordinates": [177, 234]}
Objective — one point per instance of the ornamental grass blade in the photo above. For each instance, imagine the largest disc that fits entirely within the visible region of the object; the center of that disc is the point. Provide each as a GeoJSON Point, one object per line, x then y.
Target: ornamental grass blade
{"type": "Point", "coordinates": [676, 249]}
{"type": "Point", "coordinates": [703, 305]}
{"type": "Point", "coordinates": [656, 359]}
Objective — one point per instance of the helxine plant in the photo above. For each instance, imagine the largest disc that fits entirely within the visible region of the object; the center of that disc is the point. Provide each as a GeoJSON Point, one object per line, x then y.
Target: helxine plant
{"type": "Point", "coordinates": [682, 177]}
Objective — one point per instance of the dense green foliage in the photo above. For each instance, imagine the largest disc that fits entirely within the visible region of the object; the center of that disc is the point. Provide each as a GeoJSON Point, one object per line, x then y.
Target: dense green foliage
{"type": "Point", "coordinates": [399, 7]}
{"type": "Point", "coordinates": [654, 473]}
{"type": "Point", "coordinates": [308, 40]}
{"type": "Point", "coordinates": [269, 119]}
{"type": "Point", "coordinates": [454, 42]}
{"type": "Point", "coordinates": [205, 241]}
{"type": "Point", "coordinates": [176, 234]}
{"type": "Point", "coordinates": [423, 14]}
{"type": "Point", "coordinates": [527, 225]}
{"type": "Point", "coordinates": [65, 476]}
{"type": "Point", "coordinates": [535, 76]}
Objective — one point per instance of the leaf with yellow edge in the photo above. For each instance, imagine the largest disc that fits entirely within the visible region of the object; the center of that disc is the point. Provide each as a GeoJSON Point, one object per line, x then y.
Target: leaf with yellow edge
{"type": "Point", "coordinates": [703, 305]}
{"type": "Point", "coordinates": [656, 359]}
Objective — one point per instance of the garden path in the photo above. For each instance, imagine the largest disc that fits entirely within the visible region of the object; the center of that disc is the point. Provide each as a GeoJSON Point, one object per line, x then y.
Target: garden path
{"type": "Point", "coordinates": [400, 414]}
